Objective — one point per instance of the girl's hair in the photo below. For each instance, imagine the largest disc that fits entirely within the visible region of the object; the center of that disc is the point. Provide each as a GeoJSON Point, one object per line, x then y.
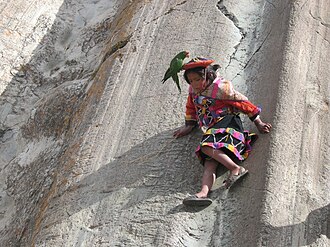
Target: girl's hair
{"type": "Point", "coordinates": [209, 71]}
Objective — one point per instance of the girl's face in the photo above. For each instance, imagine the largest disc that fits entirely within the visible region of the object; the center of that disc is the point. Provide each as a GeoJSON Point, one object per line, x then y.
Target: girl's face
{"type": "Point", "coordinates": [196, 81]}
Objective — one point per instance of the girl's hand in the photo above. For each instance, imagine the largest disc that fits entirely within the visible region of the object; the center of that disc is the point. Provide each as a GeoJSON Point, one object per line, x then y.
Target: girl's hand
{"type": "Point", "coordinates": [263, 128]}
{"type": "Point", "coordinates": [182, 131]}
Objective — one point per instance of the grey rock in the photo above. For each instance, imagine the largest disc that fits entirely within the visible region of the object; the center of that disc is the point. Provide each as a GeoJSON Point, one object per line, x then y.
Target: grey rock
{"type": "Point", "coordinates": [87, 156]}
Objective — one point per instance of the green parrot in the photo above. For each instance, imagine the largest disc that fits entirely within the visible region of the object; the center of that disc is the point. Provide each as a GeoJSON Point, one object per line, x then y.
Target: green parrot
{"type": "Point", "coordinates": [175, 67]}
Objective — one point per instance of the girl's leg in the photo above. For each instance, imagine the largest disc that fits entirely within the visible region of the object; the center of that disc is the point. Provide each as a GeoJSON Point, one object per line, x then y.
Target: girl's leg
{"type": "Point", "coordinates": [222, 158]}
{"type": "Point", "coordinates": [208, 179]}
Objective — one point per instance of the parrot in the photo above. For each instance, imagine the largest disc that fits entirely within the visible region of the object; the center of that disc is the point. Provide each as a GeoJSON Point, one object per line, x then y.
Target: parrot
{"type": "Point", "coordinates": [175, 67]}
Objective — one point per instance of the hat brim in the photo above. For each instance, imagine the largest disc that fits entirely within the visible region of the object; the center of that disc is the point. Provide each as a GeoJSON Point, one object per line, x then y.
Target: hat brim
{"type": "Point", "coordinates": [200, 63]}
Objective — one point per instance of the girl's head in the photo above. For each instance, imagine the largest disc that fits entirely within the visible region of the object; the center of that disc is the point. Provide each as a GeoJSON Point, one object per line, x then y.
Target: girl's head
{"type": "Point", "coordinates": [200, 77]}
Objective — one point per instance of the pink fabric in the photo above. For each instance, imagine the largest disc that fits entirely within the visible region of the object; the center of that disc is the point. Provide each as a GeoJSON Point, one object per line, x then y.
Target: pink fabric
{"type": "Point", "coordinates": [215, 89]}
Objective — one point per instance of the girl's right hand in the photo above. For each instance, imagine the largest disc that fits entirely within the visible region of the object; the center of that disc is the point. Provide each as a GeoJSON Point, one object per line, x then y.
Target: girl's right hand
{"type": "Point", "coordinates": [182, 131]}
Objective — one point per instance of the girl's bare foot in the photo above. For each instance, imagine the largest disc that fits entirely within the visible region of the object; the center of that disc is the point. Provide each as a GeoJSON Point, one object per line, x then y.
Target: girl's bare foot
{"type": "Point", "coordinates": [201, 195]}
{"type": "Point", "coordinates": [236, 171]}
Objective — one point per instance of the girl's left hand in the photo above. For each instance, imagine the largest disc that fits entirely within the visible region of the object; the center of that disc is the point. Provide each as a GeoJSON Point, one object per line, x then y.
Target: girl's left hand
{"type": "Point", "coordinates": [263, 128]}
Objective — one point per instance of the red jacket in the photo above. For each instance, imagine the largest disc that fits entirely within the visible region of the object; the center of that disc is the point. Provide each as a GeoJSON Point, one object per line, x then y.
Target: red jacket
{"type": "Point", "coordinates": [217, 100]}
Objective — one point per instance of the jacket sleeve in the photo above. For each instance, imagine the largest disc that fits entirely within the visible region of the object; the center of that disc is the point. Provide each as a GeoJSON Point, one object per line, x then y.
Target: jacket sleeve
{"type": "Point", "coordinates": [245, 107]}
{"type": "Point", "coordinates": [191, 117]}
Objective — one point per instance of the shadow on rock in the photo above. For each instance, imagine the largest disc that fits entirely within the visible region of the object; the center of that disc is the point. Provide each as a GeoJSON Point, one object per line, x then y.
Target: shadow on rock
{"type": "Point", "coordinates": [307, 232]}
{"type": "Point", "coordinates": [153, 172]}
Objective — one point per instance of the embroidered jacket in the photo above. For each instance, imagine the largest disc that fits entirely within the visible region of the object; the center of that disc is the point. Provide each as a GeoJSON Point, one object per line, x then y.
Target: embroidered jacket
{"type": "Point", "coordinates": [217, 100]}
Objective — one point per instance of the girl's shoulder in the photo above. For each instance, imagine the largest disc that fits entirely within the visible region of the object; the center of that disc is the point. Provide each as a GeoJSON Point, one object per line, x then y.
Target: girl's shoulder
{"type": "Point", "coordinates": [217, 85]}
{"type": "Point", "coordinates": [219, 89]}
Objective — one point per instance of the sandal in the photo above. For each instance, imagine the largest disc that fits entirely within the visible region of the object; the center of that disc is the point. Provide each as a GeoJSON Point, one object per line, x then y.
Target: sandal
{"type": "Point", "coordinates": [197, 201]}
{"type": "Point", "coordinates": [233, 178]}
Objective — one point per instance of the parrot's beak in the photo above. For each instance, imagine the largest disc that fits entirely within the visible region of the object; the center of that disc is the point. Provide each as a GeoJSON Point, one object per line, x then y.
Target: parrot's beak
{"type": "Point", "coordinates": [187, 54]}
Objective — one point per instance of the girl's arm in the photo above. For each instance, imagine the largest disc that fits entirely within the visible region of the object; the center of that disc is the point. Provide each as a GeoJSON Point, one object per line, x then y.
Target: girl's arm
{"type": "Point", "coordinates": [263, 128]}
{"type": "Point", "coordinates": [253, 112]}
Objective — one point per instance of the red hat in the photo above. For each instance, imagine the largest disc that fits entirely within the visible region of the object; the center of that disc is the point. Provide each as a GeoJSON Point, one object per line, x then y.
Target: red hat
{"type": "Point", "coordinates": [197, 62]}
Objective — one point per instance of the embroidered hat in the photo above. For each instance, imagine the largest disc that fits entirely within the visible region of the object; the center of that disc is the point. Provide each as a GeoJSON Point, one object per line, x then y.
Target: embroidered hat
{"type": "Point", "coordinates": [197, 62]}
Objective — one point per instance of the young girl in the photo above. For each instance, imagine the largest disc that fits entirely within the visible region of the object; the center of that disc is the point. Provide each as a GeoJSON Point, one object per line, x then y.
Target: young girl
{"type": "Point", "coordinates": [214, 105]}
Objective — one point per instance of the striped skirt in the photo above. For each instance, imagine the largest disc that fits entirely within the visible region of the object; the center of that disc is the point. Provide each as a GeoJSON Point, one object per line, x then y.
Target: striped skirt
{"type": "Point", "coordinates": [229, 136]}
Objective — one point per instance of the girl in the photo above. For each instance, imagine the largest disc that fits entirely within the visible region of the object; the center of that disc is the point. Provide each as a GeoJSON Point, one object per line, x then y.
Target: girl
{"type": "Point", "coordinates": [215, 105]}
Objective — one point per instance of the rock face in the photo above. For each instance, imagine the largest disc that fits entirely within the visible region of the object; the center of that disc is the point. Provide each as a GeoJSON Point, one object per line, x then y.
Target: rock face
{"type": "Point", "coordinates": [87, 156]}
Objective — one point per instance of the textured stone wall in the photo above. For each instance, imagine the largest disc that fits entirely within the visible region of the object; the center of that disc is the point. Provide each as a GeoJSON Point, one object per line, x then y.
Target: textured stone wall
{"type": "Point", "coordinates": [87, 156]}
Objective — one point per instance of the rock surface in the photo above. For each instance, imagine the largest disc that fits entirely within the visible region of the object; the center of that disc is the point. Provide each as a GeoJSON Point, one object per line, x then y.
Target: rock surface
{"type": "Point", "coordinates": [87, 156]}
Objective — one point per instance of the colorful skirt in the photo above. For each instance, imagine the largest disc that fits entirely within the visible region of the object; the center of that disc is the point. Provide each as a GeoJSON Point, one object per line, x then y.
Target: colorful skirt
{"type": "Point", "coordinates": [229, 136]}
